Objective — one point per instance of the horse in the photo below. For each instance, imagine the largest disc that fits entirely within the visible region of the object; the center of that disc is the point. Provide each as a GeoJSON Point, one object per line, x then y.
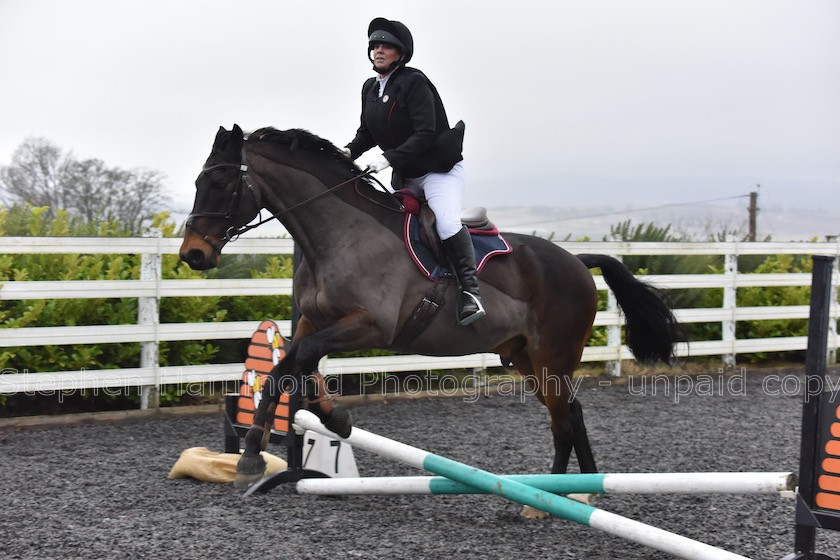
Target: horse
{"type": "Point", "coordinates": [356, 287]}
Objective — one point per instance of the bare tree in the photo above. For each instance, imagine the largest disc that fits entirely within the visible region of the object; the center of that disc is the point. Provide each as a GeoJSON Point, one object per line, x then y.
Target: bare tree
{"type": "Point", "coordinates": [89, 184]}
{"type": "Point", "coordinates": [41, 175]}
{"type": "Point", "coordinates": [144, 197]}
{"type": "Point", "coordinates": [35, 174]}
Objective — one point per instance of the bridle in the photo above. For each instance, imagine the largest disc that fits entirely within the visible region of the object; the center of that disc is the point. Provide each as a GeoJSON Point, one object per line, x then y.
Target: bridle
{"type": "Point", "coordinates": [234, 231]}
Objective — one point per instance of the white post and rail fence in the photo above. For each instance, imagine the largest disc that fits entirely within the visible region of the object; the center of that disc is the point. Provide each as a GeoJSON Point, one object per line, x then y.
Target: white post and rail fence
{"type": "Point", "coordinates": [150, 332]}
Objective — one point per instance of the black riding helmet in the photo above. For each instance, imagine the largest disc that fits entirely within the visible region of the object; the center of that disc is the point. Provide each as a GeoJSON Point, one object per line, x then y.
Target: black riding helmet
{"type": "Point", "coordinates": [383, 30]}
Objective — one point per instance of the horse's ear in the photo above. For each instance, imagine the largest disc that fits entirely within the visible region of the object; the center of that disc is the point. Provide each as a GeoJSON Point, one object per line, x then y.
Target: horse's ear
{"type": "Point", "coordinates": [237, 138]}
{"type": "Point", "coordinates": [228, 140]}
{"type": "Point", "coordinates": [221, 139]}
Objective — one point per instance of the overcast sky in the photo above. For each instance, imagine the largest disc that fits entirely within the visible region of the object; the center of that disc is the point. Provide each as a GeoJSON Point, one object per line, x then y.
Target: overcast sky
{"type": "Point", "coordinates": [567, 103]}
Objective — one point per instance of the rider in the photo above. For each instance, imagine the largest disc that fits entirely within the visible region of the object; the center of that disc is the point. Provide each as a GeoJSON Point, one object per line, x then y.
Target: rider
{"type": "Point", "coordinates": [403, 114]}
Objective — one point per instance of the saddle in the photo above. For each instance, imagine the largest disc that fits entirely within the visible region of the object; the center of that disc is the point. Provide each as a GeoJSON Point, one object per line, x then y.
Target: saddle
{"type": "Point", "coordinates": [426, 250]}
{"type": "Point", "coordinates": [424, 245]}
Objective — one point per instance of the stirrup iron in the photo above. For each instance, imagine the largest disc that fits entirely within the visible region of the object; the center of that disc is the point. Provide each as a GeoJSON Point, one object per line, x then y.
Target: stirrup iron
{"type": "Point", "coordinates": [475, 316]}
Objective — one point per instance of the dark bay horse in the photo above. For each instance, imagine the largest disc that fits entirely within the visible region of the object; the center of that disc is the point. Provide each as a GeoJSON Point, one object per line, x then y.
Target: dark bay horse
{"type": "Point", "coordinates": [356, 286]}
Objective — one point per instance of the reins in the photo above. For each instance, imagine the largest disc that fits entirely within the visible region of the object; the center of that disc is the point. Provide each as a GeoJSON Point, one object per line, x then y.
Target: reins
{"type": "Point", "coordinates": [235, 231]}
{"type": "Point", "coordinates": [366, 173]}
{"type": "Point", "coordinates": [400, 207]}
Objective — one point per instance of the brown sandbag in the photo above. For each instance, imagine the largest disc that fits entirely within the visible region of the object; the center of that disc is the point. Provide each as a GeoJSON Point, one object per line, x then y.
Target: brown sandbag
{"type": "Point", "coordinates": [202, 464]}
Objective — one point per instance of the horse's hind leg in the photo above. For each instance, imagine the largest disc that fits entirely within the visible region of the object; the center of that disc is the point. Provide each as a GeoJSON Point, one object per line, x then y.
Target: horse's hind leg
{"type": "Point", "coordinates": [561, 438]}
{"type": "Point", "coordinates": [553, 392]}
{"type": "Point", "coordinates": [567, 426]}
{"type": "Point", "coordinates": [569, 432]}
{"type": "Point", "coordinates": [580, 439]}
{"type": "Point", "coordinates": [562, 431]}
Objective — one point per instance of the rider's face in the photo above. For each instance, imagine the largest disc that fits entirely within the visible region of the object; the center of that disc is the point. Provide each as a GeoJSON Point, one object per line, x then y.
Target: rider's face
{"type": "Point", "coordinates": [384, 55]}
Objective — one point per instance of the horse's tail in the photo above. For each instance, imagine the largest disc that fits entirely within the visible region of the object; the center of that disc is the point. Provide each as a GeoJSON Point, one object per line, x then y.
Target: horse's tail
{"type": "Point", "coordinates": [652, 329]}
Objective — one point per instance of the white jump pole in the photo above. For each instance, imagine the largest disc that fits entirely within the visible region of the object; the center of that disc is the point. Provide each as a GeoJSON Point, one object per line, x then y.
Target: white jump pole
{"type": "Point", "coordinates": [677, 545]}
{"type": "Point", "coordinates": [607, 483]}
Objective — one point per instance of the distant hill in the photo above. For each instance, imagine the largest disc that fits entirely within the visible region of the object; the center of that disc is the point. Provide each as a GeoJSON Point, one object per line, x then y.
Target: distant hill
{"type": "Point", "coordinates": [699, 224]}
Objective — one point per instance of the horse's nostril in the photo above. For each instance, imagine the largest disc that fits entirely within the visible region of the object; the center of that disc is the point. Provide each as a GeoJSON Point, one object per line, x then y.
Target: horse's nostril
{"type": "Point", "coordinates": [194, 258]}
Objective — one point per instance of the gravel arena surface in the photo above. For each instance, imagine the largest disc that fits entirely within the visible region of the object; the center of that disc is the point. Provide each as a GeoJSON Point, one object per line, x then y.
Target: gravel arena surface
{"type": "Point", "coordinates": [101, 490]}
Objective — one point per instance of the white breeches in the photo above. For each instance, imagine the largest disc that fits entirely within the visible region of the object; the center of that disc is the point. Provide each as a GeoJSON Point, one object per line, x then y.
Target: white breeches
{"type": "Point", "coordinates": [444, 192]}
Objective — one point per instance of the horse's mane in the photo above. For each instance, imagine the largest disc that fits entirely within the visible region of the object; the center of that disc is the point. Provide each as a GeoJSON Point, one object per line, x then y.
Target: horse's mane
{"type": "Point", "coordinates": [297, 139]}
{"type": "Point", "coordinates": [300, 139]}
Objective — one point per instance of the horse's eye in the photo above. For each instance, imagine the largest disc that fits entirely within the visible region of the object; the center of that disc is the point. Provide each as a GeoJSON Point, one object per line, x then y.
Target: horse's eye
{"type": "Point", "coordinates": [219, 180]}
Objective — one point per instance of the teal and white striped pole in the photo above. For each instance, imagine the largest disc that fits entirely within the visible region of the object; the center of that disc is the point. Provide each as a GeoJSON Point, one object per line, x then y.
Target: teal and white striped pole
{"type": "Point", "coordinates": [559, 506]}
{"type": "Point", "coordinates": [607, 483]}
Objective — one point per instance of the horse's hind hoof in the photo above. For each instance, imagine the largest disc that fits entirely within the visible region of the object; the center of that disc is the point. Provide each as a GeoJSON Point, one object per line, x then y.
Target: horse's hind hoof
{"type": "Point", "coordinates": [339, 422]}
{"type": "Point", "coordinates": [582, 498]}
{"type": "Point", "coordinates": [529, 512]}
{"type": "Point", "coordinates": [249, 470]}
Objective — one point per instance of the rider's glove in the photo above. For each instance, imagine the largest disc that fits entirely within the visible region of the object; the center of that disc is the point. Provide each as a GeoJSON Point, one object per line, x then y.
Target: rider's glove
{"type": "Point", "coordinates": [346, 152]}
{"type": "Point", "coordinates": [379, 164]}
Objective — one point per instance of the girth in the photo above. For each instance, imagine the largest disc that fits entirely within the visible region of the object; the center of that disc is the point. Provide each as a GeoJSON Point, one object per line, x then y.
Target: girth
{"type": "Point", "coordinates": [423, 314]}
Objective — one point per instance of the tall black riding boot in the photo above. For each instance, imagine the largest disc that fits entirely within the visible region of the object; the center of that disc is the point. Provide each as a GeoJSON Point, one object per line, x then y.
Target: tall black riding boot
{"type": "Point", "coordinates": [459, 251]}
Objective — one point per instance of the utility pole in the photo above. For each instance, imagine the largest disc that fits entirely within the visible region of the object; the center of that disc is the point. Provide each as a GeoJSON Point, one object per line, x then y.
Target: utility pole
{"type": "Point", "coordinates": [753, 213]}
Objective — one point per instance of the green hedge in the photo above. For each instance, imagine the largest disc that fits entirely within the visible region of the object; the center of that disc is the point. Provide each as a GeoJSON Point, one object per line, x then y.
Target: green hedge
{"type": "Point", "coordinates": [28, 221]}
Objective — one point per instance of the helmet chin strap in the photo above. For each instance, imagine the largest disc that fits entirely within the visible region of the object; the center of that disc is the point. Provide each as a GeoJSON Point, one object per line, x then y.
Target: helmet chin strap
{"type": "Point", "coordinates": [393, 66]}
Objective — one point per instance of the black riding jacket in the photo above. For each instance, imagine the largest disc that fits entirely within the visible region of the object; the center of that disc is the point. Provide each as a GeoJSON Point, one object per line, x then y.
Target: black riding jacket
{"type": "Point", "coordinates": [409, 124]}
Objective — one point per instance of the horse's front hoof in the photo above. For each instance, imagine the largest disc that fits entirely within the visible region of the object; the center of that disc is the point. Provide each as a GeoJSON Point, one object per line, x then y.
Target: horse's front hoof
{"type": "Point", "coordinates": [249, 470]}
{"type": "Point", "coordinates": [339, 422]}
